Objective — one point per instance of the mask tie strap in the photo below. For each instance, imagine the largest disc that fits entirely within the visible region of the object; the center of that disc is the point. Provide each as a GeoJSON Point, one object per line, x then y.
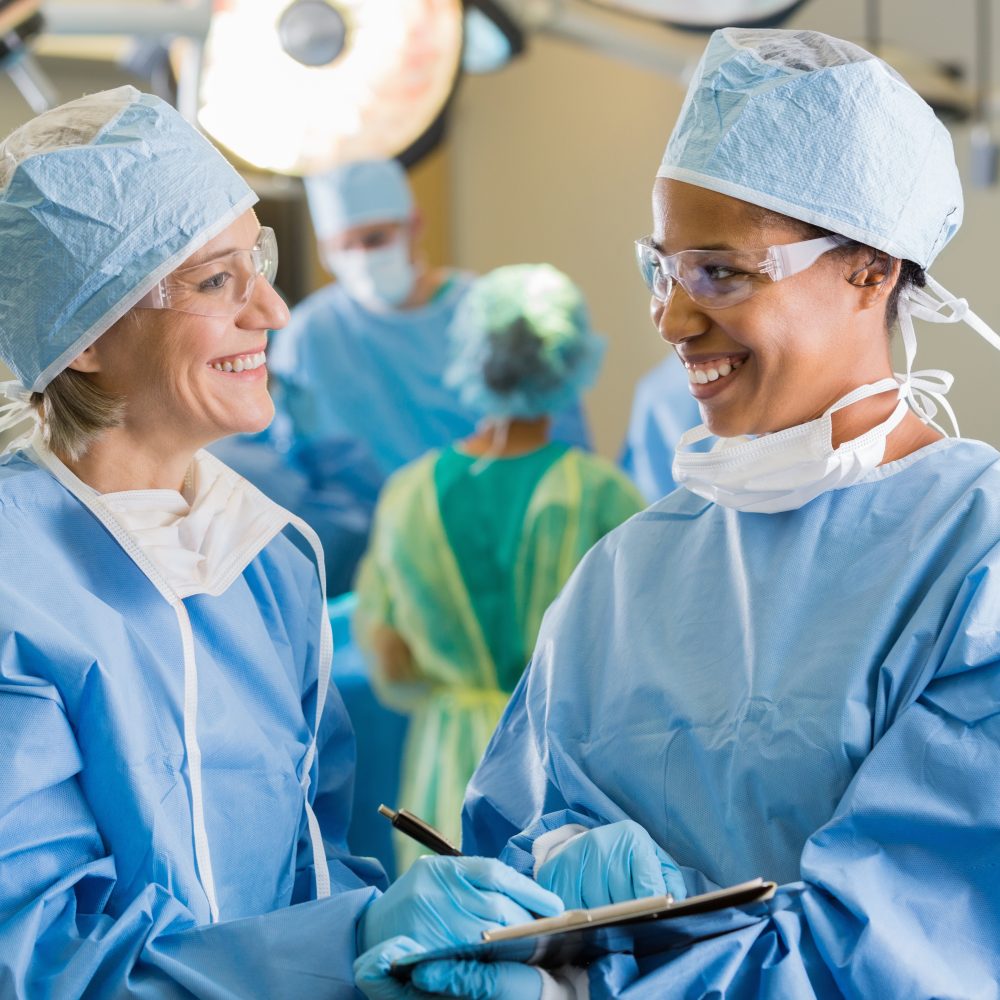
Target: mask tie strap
{"type": "Point", "coordinates": [924, 391]}
{"type": "Point", "coordinates": [15, 412]}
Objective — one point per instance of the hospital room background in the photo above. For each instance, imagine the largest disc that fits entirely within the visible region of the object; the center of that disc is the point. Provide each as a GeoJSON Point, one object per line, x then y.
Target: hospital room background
{"type": "Point", "coordinates": [549, 158]}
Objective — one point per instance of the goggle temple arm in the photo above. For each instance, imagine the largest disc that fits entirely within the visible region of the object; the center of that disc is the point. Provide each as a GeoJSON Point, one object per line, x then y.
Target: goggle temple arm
{"type": "Point", "coordinates": [153, 299]}
{"type": "Point", "coordinates": [790, 258]}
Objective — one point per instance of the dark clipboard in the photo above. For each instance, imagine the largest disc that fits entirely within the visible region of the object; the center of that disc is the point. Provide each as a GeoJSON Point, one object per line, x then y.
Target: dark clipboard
{"type": "Point", "coordinates": [639, 927]}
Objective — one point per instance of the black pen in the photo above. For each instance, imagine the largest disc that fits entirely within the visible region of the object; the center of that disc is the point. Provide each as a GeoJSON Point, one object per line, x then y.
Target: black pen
{"type": "Point", "coordinates": [423, 833]}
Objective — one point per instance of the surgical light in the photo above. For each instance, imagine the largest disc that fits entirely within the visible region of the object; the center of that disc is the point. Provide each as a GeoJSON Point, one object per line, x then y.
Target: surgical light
{"type": "Point", "coordinates": [299, 88]}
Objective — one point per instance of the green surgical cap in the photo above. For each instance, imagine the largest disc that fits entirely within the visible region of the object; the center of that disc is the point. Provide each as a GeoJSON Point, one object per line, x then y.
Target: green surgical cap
{"type": "Point", "coordinates": [521, 343]}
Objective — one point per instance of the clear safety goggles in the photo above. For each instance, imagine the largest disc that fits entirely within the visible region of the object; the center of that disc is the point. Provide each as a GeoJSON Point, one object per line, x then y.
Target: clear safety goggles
{"type": "Point", "coordinates": [219, 287]}
{"type": "Point", "coordinates": [718, 278]}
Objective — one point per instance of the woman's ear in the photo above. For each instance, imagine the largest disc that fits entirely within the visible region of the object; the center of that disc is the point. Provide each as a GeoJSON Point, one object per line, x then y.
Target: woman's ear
{"type": "Point", "coordinates": [88, 361]}
{"type": "Point", "coordinates": [875, 277]}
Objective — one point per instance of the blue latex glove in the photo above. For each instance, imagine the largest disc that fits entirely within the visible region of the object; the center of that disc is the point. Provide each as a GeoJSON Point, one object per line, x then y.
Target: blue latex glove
{"type": "Point", "coordinates": [479, 980]}
{"type": "Point", "coordinates": [443, 901]}
{"type": "Point", "coordinates": [500, 981]}
{"type": "Point", "coordinates": [372, 976]}
{"type": "Point", "coordinates": [611, 864]}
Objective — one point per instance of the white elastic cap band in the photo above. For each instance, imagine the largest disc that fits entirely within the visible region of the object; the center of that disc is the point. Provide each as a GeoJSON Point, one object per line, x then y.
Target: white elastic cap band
{"type": "Point", "coordinates": [16, 411]}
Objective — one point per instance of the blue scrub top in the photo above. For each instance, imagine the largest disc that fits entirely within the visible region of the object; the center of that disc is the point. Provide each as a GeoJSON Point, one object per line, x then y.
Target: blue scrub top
{"type": "Point", "coordinates": [100, 887]}
{"type": "Point", "coordinates": [809, 696]}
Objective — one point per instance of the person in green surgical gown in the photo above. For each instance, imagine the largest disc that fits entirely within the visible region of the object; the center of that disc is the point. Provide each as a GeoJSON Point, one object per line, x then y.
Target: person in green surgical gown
{"type": "Point", "coordinates": [473, 542]}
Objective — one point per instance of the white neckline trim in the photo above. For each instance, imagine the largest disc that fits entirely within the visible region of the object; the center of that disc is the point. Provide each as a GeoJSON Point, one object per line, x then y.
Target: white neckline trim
{"type": "Point", "coordinates": [891, 469]}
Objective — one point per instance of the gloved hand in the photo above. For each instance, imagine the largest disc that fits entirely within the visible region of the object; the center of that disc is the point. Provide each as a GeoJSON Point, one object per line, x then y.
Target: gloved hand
{"type": "Point", "coordinates": [443, 901]}
{"type": "Point", "coordinates": [611, 864]}
{"type": "Point", "coordinates": [372, 976]}
{"type": "Point", "coordinates": [480, 981]}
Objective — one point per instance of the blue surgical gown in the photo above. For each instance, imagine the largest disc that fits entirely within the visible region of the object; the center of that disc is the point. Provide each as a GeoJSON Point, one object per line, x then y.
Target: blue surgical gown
{"type": "Point", "coordinates": [810, 696]}
{"type": "Point", "coordinates": [99, 886]}
{"type": "Point", "coordinates": [662, 410]}
{"type": "Point", "coordinates": [349, 372]}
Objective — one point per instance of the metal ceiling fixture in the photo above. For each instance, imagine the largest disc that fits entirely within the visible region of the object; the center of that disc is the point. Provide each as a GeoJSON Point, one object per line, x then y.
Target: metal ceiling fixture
{"type": "Point", "coordinates": [984, 153]}
{"type": "Point", "coordinates": [20, 22]}
{"type": "Point", "coordinates": [708, 15]}
{"type": "Point", "coordinates": [312, 32]}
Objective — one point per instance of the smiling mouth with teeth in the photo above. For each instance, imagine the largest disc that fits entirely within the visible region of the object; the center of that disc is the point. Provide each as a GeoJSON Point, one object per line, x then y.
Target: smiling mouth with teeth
{"type": "Point", "coordinates": [242, 363]}
{"type": "Point", "coordinates": [711, 371]}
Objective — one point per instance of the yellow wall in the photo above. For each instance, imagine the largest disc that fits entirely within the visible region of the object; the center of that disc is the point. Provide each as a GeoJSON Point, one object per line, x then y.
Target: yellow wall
{"type": "Point", "coordinates": [431, 181]}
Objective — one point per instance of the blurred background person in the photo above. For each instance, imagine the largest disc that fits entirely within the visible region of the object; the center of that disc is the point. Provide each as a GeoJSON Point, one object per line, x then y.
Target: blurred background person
{"type": "Point", "coordinates": [358, 382]}
{"type": "Point", "coordinates": [473, 542]}
{"type": "Point", "coordinates": [662, 410]}
{"type": "Point", "coordinates": [362, 358]}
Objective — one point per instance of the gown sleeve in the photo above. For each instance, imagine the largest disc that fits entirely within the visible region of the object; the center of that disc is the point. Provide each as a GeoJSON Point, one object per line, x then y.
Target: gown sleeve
{"type": "Point", "coordinates": [57, 938]}
{"type": "Point", "coordinates": [896, 896]}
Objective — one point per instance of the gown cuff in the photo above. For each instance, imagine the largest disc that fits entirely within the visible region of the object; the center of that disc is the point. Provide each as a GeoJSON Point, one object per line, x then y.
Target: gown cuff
{"type": "Point", "coordinates": [549, 844]}
{"type": "Point", "coordinates": [567, 983]}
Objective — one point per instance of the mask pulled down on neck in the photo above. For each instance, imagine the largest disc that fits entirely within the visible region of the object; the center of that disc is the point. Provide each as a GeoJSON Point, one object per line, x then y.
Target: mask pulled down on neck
{"type": "Point", "coordinates": [785, 470]}
{"type": "Point", "coordinates": [382, 278]}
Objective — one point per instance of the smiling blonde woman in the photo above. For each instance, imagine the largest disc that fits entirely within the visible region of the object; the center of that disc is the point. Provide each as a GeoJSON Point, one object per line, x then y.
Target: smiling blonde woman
{"type": "Point", "coordinates": [177, 767]}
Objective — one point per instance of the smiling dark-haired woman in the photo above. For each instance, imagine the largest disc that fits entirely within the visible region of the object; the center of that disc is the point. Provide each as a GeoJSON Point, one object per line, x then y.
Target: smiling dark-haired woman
{"type": "Point", "coordinates": [789, 667]}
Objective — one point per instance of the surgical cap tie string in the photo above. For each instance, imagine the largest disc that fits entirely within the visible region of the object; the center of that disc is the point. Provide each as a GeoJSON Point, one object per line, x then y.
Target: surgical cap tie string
{"type": "Point", "coordinates": [16, 411]}
{"type": "Point", "coordinates": [498, 428]}
{"type": "Point", "coordinates": [925, 390]}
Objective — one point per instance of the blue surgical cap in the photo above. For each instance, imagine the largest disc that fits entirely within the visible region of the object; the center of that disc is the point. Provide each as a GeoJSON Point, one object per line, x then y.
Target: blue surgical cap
{"type": "Point", "coordinates": [820, 130]}
{"type": "Point", "coordinates": [357, 194]}
{"type": "Point", "coordinates": [87, 228]}
{"type": "Point", "coordinates": [521, 344]}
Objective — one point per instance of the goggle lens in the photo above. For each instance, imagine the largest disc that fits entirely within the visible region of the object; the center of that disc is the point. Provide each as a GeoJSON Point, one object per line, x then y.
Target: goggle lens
{"type": "Point", "coordinates": [219, 287]}
{"type": "Point", "coordinates": [713, 280]}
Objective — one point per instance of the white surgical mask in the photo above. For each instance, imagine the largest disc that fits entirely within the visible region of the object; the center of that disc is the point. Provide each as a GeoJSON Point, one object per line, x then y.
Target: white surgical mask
{"type": "Point", "coordinates": [380, 278]}
{"type": "Point", "coordinates": [787, 469]}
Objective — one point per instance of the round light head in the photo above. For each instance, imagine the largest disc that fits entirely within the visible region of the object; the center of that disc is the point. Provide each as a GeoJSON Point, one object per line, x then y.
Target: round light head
{"type": "Point", "coordinates": [284, 100]}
